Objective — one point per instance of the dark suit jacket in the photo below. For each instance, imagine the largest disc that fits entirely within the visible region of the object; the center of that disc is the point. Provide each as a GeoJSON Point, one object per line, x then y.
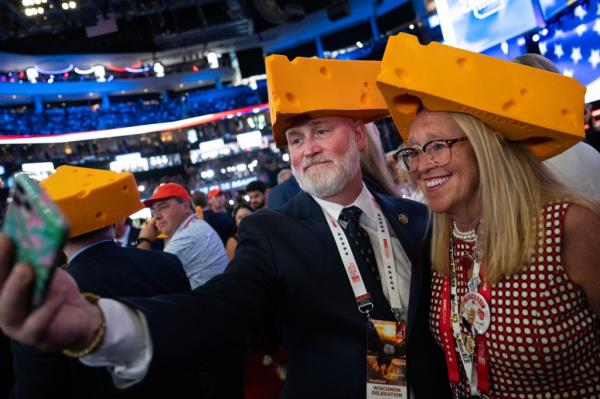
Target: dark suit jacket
{"type": "Point", "coordinates": [282, 193]}
{"type": "Point", "coordinates": [221, 222]}
{"type": "Point", "coordinates": [7, 379]}
{"type": "Point", "coordinates": [287, 260]}
{"type": "Point", "coordinates": [132, 237]}
{"type": "Point", "coordinates": [109, 271]}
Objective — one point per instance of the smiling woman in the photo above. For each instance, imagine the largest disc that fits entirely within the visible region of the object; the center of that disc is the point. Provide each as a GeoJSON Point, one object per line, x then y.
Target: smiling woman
{"type": "Point", "coordinates": [515, 304]}
{"type": "Point", "coordinates": [448, 176]}
{"type": "Point", "coordinates": [512, 243]}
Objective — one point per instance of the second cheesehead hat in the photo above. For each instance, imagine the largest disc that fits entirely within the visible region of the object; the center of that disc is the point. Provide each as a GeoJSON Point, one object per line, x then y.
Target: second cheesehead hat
{"type": "Point", "coordinates": [321, 87]}
{"type": "Point", "coordinates": [542, 109]}
{"type": "Point", "coordinates": [92, 198]}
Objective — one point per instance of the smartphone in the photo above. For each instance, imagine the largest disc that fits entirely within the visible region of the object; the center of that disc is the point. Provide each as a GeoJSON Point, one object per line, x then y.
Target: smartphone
{"type": "Point", "coordinates": [38, 230]}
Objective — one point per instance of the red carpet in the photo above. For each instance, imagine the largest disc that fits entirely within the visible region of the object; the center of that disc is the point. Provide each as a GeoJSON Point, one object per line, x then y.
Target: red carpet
{"type": "Point", "coordinates": [260, 382]}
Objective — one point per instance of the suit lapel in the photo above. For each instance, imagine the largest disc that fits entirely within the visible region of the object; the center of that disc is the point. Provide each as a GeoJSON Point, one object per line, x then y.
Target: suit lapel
{"type": "Point", "coordinates": [309, 213]}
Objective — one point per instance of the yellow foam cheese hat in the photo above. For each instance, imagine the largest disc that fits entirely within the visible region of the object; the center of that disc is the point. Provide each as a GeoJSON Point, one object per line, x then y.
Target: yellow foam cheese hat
{"type": "Point", "coordinates": [540, 108]}
{"type": "Point", "coordinates": [92, 198]}
{"type": "Point", "coordinates": [317, 88]}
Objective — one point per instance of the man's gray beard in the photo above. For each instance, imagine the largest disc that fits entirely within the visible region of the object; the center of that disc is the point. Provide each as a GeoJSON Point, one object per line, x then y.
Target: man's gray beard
{"type": "Point", "coordinates": [323, 182]}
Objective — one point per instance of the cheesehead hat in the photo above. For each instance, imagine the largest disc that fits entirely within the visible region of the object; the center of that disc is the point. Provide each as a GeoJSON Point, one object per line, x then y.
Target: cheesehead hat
{"type": "Point", "coordinates": [92, 198]}
{"type": "Point", "coordinates": [317, 88]}
{"type": "Point", "coordinates": [540, 108]}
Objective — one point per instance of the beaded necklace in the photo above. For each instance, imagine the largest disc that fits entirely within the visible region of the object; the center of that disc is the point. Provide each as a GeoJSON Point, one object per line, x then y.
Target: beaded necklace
{"type": "Point", "coordinates": [467, 236]}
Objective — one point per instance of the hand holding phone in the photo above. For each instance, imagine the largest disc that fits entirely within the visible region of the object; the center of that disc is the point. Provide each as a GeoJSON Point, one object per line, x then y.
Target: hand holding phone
{"type": "Point", "coordinates": [38, 230]}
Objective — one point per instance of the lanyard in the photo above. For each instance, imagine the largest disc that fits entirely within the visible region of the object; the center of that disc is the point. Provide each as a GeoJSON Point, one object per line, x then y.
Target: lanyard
{"type": "Point", "coordinates": [363, 298]}
{"type": "Point", "coordinates": [477, 376]}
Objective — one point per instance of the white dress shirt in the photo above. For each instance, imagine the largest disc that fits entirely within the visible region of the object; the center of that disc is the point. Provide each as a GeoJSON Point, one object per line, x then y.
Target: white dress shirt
{"type": "Point", "coordinates": [367, 221]}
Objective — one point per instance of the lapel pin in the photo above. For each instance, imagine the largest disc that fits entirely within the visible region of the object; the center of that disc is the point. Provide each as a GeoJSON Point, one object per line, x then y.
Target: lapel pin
{"type": "Point", "coordinates": [402, 218]}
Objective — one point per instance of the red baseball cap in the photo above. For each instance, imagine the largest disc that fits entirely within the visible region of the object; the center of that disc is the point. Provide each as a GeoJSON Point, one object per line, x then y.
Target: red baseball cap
{"type": "Point", "coordinates": [167, 190]}
{"type": "Point", "coordinates": [215, 193]}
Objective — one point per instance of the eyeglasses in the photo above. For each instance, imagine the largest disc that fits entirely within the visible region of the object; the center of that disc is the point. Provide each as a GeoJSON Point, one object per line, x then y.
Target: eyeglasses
{"type": "Point", "coordinates": [438, 153]}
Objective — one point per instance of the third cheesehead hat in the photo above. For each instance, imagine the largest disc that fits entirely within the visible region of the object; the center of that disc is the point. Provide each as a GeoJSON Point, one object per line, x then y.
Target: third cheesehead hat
{"type": "Point", "coordinates": [92, 198]}
{"type": "Point", "coordinates": [542, 109]}
{"type": "Point", "coordinates": [317, 88]}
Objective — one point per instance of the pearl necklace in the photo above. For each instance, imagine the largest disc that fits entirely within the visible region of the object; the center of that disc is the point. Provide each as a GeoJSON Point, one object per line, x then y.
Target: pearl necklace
{"type": "Point", "coordinates": [467, 236]}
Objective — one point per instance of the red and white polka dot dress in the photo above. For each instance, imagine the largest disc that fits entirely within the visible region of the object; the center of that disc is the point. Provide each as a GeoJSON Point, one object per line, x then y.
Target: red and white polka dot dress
{"type": "Point", "coordinates": [544, 339]}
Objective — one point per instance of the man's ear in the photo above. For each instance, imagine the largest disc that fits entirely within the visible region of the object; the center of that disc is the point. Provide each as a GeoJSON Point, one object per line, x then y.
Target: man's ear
{"type": "Point", "coordinates": [360, 134]}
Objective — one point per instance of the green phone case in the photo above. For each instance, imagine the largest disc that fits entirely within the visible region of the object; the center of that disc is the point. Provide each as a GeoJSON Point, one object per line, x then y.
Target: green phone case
{"type": "Point", "coordinates": [38, 229]}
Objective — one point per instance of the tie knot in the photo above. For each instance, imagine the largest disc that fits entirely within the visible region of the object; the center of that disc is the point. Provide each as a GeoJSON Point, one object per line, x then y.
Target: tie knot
{"type": "Point", "coordinates": [351, 214]}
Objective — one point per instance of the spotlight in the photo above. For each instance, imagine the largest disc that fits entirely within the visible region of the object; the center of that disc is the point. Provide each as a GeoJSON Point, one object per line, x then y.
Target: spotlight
{"type": "Point", "coordinates": [32, 74]}
{"type": "Point", "coordinates": [159, 70]}
{"type": "Point", "coordinates": [100, 73]}
{"type": "Point", "coordinates": [213, 60]}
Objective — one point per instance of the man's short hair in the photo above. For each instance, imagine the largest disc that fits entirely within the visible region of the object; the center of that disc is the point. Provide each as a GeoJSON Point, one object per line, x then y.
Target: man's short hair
{"type": "Point", "coordinates": [256, 185]}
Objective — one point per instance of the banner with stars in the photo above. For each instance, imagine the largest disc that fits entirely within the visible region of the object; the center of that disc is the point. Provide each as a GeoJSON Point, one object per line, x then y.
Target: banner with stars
{"type": "Point", "coordinates": [573, 44]}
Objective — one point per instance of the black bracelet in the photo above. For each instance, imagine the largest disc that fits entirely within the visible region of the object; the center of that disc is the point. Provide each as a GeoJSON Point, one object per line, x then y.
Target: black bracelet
{"type": "Point", "coordinates": [143, 239]}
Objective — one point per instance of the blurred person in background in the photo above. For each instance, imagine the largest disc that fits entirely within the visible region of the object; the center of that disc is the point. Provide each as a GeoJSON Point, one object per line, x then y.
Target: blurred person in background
{"type": "Point", "coordinates": [240, 211]}
{"type": "Point", "coordinates": [592, 134]}
{"type": "Point", "coordinates": [283, 175]}
{"type": "Point", "coordinates": [257, 191]}
{"type": "Point", "coordinates": [191, 239]}
{"type": "Point", "coordinates": [282, 193]}
{"type": "Point", "coordinates": [373, 164]}
{"type": "Point", "coordinates": [126, 234]}
{"type": "Point", "coordinates": [217, 217]}
{"type": "Point", "coordinates": [200, 201]}
{"type": "Point", "coordinates": [578, 167]}
{"type": "Point", "coordinates": [406, 185]}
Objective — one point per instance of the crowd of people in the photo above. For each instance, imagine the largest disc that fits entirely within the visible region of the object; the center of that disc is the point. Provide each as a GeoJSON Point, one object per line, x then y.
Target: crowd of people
{"type": "Point", "coordinates": [487, 290]}
{"type": "Point", "coordinates": [56, 119]}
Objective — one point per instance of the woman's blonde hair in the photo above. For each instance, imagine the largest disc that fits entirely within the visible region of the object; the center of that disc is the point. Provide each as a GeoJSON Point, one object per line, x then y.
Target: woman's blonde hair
{"type": "Point", "coordinates": [372, 161]}
{"type": "Point", "coordinates": [513, 187]}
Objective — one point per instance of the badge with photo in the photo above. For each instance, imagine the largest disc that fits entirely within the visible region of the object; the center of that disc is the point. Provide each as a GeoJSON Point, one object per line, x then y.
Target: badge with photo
{"type": "Point", "coordinates": [386, 359]}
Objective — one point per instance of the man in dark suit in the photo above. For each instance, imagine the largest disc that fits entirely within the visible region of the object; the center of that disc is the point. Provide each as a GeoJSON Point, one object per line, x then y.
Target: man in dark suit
{"type": "Point", "coordinates": [126, 235]}
{"type": "Point", "coordinates": [287, 263]}
{"type": "Point", "coordinates": [217, 216]}
{"type": "Point", "coordinates": [282, 193]}
{"type": "Point", "coordinates": [102, 267]}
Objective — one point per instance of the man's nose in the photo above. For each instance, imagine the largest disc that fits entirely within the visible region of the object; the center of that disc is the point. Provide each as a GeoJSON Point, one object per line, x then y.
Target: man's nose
{"type": "Point", "coordinates": [312, 147]}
